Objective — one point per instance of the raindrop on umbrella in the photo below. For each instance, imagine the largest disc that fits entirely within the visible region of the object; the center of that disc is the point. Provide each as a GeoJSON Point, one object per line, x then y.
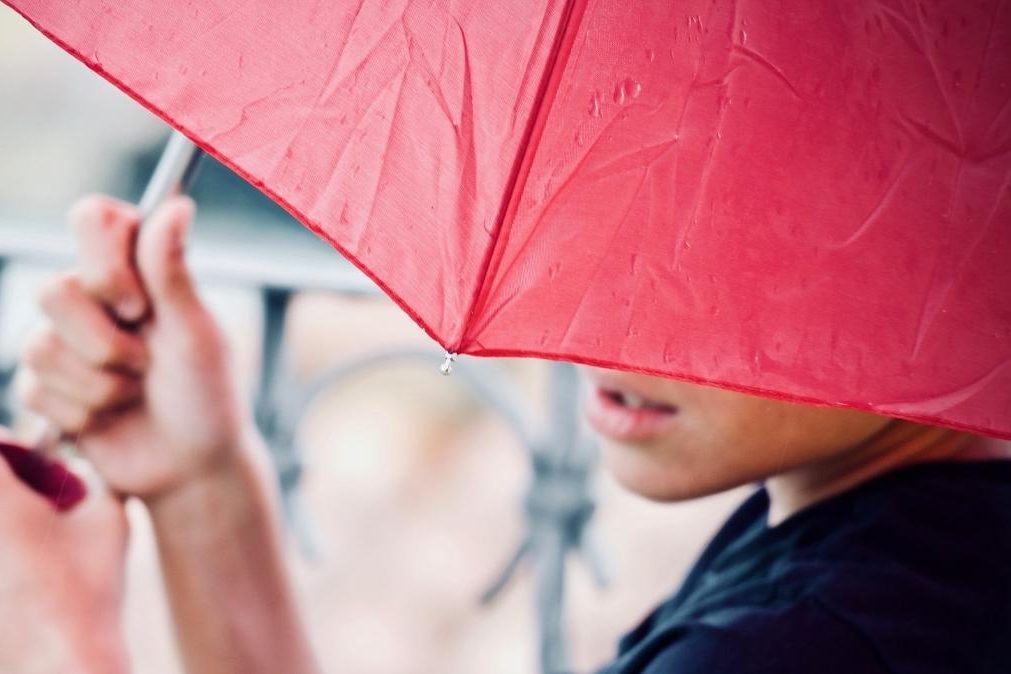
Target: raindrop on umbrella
{"type": "Point", "coordinates": [626, 89]}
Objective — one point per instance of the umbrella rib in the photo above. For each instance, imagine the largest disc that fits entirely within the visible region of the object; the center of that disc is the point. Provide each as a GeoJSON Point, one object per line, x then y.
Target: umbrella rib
{"type": "Point", "coordinates": [662, 148]}
{"type": "Point", "coordinates": [555, 63]}
{"type": "Point", "coordinates": [586, 157]}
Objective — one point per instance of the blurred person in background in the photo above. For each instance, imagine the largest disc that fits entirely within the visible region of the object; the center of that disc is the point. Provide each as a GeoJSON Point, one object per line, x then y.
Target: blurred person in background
{"type": "Point", "coordinates": [873, 545]}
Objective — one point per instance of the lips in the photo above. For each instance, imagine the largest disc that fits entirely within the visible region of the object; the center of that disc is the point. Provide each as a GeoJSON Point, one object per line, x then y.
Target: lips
{"type": "Point", "coordinates": [625, 415]}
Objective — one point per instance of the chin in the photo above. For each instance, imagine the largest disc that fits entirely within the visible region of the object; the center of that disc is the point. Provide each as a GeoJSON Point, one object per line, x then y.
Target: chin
{"type": "Point", "coordinates": [634, 469]}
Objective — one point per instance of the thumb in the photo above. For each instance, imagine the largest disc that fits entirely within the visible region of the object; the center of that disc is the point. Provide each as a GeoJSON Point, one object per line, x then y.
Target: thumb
{"type": "Point", "coordinates": [161, 256]}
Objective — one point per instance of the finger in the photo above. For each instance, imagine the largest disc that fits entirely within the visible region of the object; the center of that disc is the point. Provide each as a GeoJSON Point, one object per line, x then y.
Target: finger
{"type": "Point", "coordinates": [85, 326]}
{"type": "Point", "coordinates": [68, 415]}
{"type": "Point", "coordinates": [105, 230]}
{"type": "Point", "coordinates": [161, 256]}
{"type": "Point", "coordinates": [65, 371]}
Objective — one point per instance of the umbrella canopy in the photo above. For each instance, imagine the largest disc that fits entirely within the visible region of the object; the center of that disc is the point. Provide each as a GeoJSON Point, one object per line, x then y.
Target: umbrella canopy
{"type": "Point", "coordinates": [804, 200]}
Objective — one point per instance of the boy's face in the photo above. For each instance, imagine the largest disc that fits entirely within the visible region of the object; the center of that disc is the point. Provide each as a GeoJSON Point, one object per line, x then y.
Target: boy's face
{"type": "Point", "coordinates": [670, 440]}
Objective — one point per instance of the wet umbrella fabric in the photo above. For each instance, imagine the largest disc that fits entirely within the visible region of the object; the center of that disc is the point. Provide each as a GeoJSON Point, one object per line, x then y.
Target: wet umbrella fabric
{"type": "Point", "coordinates": [805, 200]}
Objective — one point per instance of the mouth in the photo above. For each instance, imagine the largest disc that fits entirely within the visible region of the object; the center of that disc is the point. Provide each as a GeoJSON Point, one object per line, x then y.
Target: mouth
{"type": "Point", "coordinates": [627, 416]}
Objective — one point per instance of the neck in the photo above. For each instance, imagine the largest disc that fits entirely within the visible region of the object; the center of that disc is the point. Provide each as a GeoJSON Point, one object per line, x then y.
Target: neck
{"type": "Point", "coordinates": [900, 443]}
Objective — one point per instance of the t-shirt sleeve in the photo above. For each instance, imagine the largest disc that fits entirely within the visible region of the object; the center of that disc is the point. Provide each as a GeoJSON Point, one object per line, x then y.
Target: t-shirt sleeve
{"type": "Point", "coordinates": [799, 640]}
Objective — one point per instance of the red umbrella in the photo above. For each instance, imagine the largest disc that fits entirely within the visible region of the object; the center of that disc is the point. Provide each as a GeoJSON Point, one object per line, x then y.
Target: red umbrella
{"type": "Point", "coordinates": [805, 200]}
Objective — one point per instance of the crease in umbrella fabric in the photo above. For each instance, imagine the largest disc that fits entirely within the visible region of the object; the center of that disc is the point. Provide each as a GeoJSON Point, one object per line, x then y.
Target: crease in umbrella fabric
{"type": "Point", "coordinates": [810, 201]}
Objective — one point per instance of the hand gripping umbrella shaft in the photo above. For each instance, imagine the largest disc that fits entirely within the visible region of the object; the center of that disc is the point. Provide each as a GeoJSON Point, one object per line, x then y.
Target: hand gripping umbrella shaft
{"type": "Point", "coordinates": [174, 174]}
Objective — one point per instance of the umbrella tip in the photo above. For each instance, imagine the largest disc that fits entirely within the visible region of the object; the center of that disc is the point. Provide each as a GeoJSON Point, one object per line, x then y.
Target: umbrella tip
{"type": "Point", "coordinates": [447, 365]}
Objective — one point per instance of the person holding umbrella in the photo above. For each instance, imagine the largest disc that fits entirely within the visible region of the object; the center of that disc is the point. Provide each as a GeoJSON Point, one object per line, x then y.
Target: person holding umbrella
{"type": "Point", "coordinates": [806, 203]}
{"type": "Point", "coordinates": [873, 545]}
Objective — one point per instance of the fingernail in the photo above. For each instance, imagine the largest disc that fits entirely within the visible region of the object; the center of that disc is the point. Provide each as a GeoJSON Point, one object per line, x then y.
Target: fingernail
{"type": "Point", "coordinates": [130, 309]}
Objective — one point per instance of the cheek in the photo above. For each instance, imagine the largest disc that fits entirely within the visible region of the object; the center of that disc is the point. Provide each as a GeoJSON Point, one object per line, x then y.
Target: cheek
{"type": "Point", "coordinates": [774, 436]}
{"type": "Point", "coordinates": [724, 440]}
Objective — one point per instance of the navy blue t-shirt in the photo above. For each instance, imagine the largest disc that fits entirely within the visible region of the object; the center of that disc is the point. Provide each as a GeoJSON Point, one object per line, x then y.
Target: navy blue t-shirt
{"type": "Point", "coordinates": [908, 573]}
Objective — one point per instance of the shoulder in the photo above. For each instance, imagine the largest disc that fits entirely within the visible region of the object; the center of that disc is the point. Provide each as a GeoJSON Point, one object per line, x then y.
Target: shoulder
{"type": "Point", "coordinates": [797, 639]}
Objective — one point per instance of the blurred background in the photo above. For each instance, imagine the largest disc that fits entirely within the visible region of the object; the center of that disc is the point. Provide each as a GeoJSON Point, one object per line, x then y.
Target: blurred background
{"type": "Point", "coordinates": [411, 492]}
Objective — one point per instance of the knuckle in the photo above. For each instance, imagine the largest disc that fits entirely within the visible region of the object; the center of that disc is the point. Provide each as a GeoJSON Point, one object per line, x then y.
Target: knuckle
{"type": "Point", "coordinates": [87, 209]}
{"type": "Point", "coordinates": [29, 391]}
{"type": "Point", "coordinates": [110, 352]}
{"type": "Point", "coordinates": [58, 290]}
{"type": "Point", "coordinates": [101, 213]}
{"type": "Point", "coordinates": [114, 351]}
{"type": "Point", "coordinates": [114, 278]}
{"type": "Point", "coordinates": [40, 350]}
{"type": "Point", "coordinates": [75, 420]}
{"type": "Point", "coordinates": [108, 391]}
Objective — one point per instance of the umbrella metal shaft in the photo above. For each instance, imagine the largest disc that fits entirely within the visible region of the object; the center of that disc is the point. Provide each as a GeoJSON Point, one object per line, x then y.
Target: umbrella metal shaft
{"type": "Point", "coordinates": [173, 175]}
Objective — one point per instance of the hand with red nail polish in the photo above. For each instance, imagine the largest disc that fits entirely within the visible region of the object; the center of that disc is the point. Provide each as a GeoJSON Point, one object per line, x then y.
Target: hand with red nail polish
{"type": "Point", "coordinates": [46, 477]}
{"type": "Point", "coordinates": [61, 569]}
{"type": "Point", "coordinates": [130, 365]}
{"type": "Point", "coordinates": [133, 369]}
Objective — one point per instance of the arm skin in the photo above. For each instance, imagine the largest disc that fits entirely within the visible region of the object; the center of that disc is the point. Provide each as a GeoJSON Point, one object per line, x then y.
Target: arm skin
{"type": "Point", "coordinates": [156, 411]}
{"type": "Point", "coordinates": [61, 581]}
{"type": "Point", "coordinates": [220, 547]}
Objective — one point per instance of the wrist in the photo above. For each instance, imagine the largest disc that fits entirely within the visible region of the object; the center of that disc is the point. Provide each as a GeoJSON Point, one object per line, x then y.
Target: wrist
{"type": "Point", "coordinates": [237, 486]}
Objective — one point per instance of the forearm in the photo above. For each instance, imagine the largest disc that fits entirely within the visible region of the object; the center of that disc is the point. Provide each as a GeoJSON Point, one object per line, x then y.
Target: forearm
{"type": "Point", "coordinates": [221, 555]}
